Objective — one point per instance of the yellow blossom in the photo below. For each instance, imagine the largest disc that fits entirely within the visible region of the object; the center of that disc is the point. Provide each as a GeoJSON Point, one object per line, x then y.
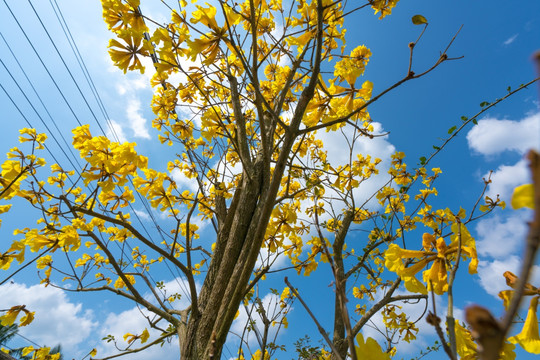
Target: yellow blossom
{"type": "Point", "coordinates": [528, 338]}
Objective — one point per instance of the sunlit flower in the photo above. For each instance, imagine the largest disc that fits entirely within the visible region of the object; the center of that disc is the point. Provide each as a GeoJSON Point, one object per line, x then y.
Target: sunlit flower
{"type": "Point", "coordinates": [529, 338]}
{"type": "Point", "coordinates": [435, 252]}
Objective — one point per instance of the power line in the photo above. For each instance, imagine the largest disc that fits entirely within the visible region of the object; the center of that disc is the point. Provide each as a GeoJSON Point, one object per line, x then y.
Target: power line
{"type": "Point", "coordinates": [82, 65]}
{"type": "Point", "coordinates": [24, 117]}
{"type": "Point", "coordinates": [42, 103]}
{"type": "Point", "coordinates": [78, 121]}
{"type": "Point", "coordinates": [88, 77]}
{"type": "Point", "coordinates": [42, 63]}
{"type": "Point", "coordinates": [67, 68]}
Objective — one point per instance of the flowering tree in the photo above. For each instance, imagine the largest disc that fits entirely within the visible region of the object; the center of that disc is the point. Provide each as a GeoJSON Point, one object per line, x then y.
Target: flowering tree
{"type": "Point", "coordinates": [241, 95]}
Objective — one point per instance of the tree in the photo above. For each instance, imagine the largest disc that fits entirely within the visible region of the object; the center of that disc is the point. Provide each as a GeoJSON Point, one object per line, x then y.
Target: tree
{"type": "Point", "coordinates": [244, 107]}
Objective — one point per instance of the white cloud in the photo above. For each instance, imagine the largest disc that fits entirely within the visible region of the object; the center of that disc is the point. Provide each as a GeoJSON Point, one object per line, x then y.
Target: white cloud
{"type": "Point", "coordinates": [142, 214]}
{"type": "Point", "coordinates": [506, 178]}
{"type": "Point", "coordinates": [277, 260]}
{"type": "Point", "coordinates": [492, 136]}
{"type": "Point", "coordinates": [57, 319]}
{"type": "Point", "coordinates": [414, 311]}
{"type": "Point", "coordinates": [338, 152]}
{"type": "Point", "coordinates": [491, 273]}
{"type": "Point", "coordinates": [183, 181]}
{"type": "Point", "coordinates": [127, 84]}
{"type": "Point", "coordinates": [510, 40]}
{"type": "Point", "coordinates": [116, 132]}
{"type": "Point", "coordinates": [273, 311]}
{"type": "Point", "coordinates": [136, 121]}
{"type": "Point", "coordinates": [179, 286]}
{"type": "Point", "coordinates": [133, 321]}
{"type": "Point", "coordinates": [498, 237]}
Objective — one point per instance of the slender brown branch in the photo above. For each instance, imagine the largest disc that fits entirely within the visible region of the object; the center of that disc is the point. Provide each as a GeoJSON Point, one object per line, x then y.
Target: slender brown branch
{"type": "Point", "coordinates": [133, 351]}
{"type": "Point", "coordinates": [450, 320]}
{"type": "Point", "coordinates": [435, 321]}
{"type": "Point", "coordinates": [387, 299]}
{"type": "Point", "coordinates": [150, 244]}
{"type": "Point", "coordinates": [340, 291]}
{"type": "Point", "coordinates": [532, 245]}
{"type": "Point", "coordinates": [319, 327]}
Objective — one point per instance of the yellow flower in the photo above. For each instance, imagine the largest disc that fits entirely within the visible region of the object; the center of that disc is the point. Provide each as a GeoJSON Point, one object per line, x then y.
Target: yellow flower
{"type": "Point", "coordinates": [512, 281]}
{"type": "Point", "coordinates": [350, 68]}
{"type": "Point", "coordinates": [370, 349]}
{"type": "Point", "coordinates": [436, 252]}
{"type": "Point", "coordinates": [126, 56]}
{"type": "Point", "coordinates": [144, 336]}
{"type": "Point", "coordinates": [528, 338]}
{"type": "Point", "coordinates": [29, 317]}
{"type": "Point", "coordinates": [467, 348]}
{"type": "Point", "coordinates": [523, 196]}
{"type": "Point", "coordinates": [383, 6]}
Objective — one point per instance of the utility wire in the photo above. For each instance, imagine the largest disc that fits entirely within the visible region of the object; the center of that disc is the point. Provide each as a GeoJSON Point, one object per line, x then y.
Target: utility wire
{"type": "Point", "coordinates": [88, 77]}
{"type": "Point", "coordinates": [24, 117]}
{"type": "Point", "coordinates": [79, 122]}
{"type": "Point", "coordinates": [82, 65]}
{"type": "Point", "coordinates": [42, 63]}
{"type": "Point", "coordinates": [67, 68]}
{"type": "Point", "coordinates": [42, 104]}
{"type": "Point", "coordinates": [91, 84]}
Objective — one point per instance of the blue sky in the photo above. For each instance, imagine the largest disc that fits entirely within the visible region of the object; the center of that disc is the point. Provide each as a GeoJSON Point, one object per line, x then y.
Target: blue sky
{"type": "Point", "coordinates": [496, 42]}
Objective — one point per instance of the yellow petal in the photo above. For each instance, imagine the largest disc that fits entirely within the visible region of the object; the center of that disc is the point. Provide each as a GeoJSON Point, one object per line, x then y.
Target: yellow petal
{"type": "Point", "coordinates": [414, 285]}
{"type": "Point", "coordinates": [144, 336]}
{"type": "Point", "coordinates": [529, 338]}
{"type": "Point", "coordinates": [27, 319]}
{"type": "Point", "coordinates": [523, 196]}
{"type": "Point", "coordinates": [428, 241]}
{"type": "Point", "coordinates": [370, 349]}
{"type": "Point", "coordinates": [9, 318]}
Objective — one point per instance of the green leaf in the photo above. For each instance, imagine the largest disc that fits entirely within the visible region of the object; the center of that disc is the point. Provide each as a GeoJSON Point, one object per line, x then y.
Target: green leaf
{"type": "Point", "coordinates": [484, 103]}
{"type": "Point", "coordinates": [475, 122]}
{"type": "Point", "coordinates": [419, 20]}
{"type": "Point", "coordinates": [436, 147]}
{"type": "Point", "coordinates": [422, 160]}
{"type": "Point", "coordinates": [509, 89]}
{"type": "Point", "coordinates": [523, 196]}
{"type": "Point", "coordinates": [464, 118]}
{"type": "Point", "coordinates": [451, 130]}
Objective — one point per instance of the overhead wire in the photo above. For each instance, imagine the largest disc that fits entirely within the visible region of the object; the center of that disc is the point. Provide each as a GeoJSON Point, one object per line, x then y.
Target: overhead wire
{"type": "Point", "coordinates": [82, 64]}
{"type": "Point", "coordinates": [22, 114]}
{"type": "Point", "coordinates": [80, 60]}
{"type": "Point", "coordinates": [67, 68]}
{"type": "Point", "coordinates": [98, 99]}
{"type": "Point", "coordinates": [42, 63]}
{"type": "Point", "coordinates": [42, 104]}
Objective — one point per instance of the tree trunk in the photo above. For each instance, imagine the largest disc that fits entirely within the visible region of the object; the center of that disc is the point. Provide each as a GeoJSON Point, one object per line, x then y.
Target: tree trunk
{"type": "Point", "coordinates": [4, 356]}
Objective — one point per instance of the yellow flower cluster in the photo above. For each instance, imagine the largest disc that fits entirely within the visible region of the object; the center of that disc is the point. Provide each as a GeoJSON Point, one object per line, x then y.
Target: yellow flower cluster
{"type": "Point", "coordinates": [353, 66]}
{"type": "Point", "coordinates": [436, 255]}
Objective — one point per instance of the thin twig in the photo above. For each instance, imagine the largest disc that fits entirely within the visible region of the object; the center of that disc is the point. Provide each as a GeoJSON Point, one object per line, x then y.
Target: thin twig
{"type": "Point", "coordinates": [533, 242]}
{"type": "Point", "coordinates": [450, 320]}
{"type": "Point", "coordinates": [319, 327]}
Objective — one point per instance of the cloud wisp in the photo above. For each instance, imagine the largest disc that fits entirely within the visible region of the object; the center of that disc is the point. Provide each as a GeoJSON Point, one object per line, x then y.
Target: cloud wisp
{"type": "Point", "coordinates": [510, 40]}
{"type": "Point", "coordinates": [500, 236]}
{"type": "Point", "coordinates": [492, 136]}
{"type": "Point", "coordinates": [58, 320]}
